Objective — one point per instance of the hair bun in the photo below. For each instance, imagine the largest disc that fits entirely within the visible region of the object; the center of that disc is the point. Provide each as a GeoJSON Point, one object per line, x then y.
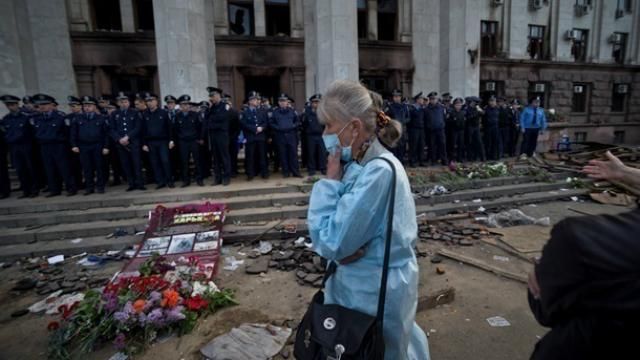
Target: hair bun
{"type": "Point", "coordinates": [382, 119]}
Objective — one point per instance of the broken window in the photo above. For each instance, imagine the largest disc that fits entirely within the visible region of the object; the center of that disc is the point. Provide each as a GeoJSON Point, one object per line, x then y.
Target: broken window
{"type": "Point", "coordinates": [278, 20]}
{"type": "Point", "coordinates": [579, 45]}
{"type": "Point", "coordinates": [241, 18]}
{"type": "Point", "coordinates": [106, 15]}
{"type": "Point", "coordinates": [579, 98]}
{"type": "Point", "coordinates": [387, 19]}
{"type": "Point", "coordinates": [619, 97]}
{"type": "Point", "coordinates": [619, 41]}
{"type": "Point", "coordinates": [536, 42]}
{"type": "Point", "coordinates": [144, 15]}
{"type": "Point", "coordinates": [489, 38]}
{"type": "Point", "coordinates": [362, 19]}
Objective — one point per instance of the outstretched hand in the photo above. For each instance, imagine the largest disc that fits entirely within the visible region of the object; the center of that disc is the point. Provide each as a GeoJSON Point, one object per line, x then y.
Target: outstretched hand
{"type": "Point", "coordinates": [613, 169]}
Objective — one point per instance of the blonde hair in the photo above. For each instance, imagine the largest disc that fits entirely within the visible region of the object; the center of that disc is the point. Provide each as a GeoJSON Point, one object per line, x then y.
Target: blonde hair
{"type": "Point", "coordinates": [345, 100]}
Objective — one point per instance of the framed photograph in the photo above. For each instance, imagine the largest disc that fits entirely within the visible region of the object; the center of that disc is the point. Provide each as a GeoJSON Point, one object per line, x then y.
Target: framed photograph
{"type": "Point", "coordinates": [155, 245]}
{"type": "Point", "coordinates": [208, 236]}
{"type": "Point", "coordinates": [204, 246]}
{"type": "Point", "coordinates": [181, 243]}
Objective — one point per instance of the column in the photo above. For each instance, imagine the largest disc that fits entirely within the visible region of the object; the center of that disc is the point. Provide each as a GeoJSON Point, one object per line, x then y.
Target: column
{"type": "Point", "coordinates": [460, 76]}
{"type": "Point", "coordinates": [562, 15]}
{"type": "Point", "coordinates": [221, 13]}
{"type": "Point", "coordinates": [310, 47]}
{"type": "Point", "coordinates": [404, 20]}
{"type": "Point", "coordinates": [11, 74]}
{"type": "Point", "coordinates": [184, 66]}
{"type": "Point", "coordinates": [633, 44]}
{"type": "Point", "coordinates": [211, 14]}
{"type": "Point", "coordinates": [372, 19]}
{"type": "Point", "coordinates": [259, 21]}
{"type": "Point", "coordinates": [126, 16]}
{"type": "Point", "coordinates": [336, 42]}
{"type": "Point", "coordinates": [425, 25]}
{"type": "Point", "coordinates": [297, 18]}
{"type": "Point", "coordinates": [519, 29]}
{"type": "Point", "coordinates": [79, 16]}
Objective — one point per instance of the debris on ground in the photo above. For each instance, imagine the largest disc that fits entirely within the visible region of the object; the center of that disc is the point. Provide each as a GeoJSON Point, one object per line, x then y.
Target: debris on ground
{"type": "Point", "coordinates": [611, 197]}
{"type": "Point", "coordinates": [451, 233]}
{"type": "Point", "coordinates": [247, 342]}
{"type": "Point", "coordinates": [512, 217]}
{"type": "Point", "coordinates": [498, 321]}
{"type": "Point", "coordinates": [231, 263]}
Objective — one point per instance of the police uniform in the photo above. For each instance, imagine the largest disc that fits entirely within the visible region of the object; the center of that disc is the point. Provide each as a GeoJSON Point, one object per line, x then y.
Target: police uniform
{"type": "Point", "coordinates": [205, 151]}
{"type": "Point", "coordinates": [251, 119]}
{"type": "Point", "coordinates": [89, 134]}
{"type": "Point", "coordinates": [157, 137]}
{"type": "Point", "coordinates": [313, 129]}
{"type": "Point", "coordinates": [127, 124]}
{"type": "Point", "coordinates": [74, 159]}
{"type": "Point", "coordinates": [284, 122]}
{"type": "Point", "coordinates": [491, 123]}
{"type": "Point", "coordinates": [18, 135]}
{"type": "Point", "coordinates": [234, 135]}
{"type": "Point", "coordinates": [52, 133]}
{"type": "Point", "coordinates": [475, 150]}
{"type": "Point", "coordinates": [216, 128]}
{"type": "Point", "coordinates": [514, 123]}
{"type": "Point", "coordinates": [448, 130]}
{"type": "Point", "coordinates": [416, 132]}
{"type": "Point", "coordinates": [435, 115]}
{"type": "Point", "coordinates": [400, 112]}
{"type": "Point", "coordinates": [188, 131]}
{"type": "Point", "coordinates": [5, 185]}
{"type": "Point", "coordinates": [504, 119]}
{"type": "Point", "coordinates": [457, 123]}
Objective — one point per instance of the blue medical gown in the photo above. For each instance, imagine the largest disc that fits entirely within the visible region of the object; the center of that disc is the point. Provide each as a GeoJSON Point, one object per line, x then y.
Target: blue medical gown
{"type": "Point", "coordinates": [349, 214]}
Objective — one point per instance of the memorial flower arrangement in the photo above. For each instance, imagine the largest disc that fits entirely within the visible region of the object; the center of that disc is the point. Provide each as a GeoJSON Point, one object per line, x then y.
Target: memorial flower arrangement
{"type": "Point", "coordinates": [132, 311]}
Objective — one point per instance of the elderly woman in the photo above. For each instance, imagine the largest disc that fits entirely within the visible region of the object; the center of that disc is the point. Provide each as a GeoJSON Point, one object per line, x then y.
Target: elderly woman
{"type": "Point", "coordinates": [348, 212]}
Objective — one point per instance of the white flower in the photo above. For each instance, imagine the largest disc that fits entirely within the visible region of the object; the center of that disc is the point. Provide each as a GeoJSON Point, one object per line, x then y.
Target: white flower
{"type": "Point", "coordinates": [552, 111]}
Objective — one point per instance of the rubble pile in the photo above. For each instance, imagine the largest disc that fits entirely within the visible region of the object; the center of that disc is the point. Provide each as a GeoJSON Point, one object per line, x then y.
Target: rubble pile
{"type": "Point", "coordinates": [451, 234]}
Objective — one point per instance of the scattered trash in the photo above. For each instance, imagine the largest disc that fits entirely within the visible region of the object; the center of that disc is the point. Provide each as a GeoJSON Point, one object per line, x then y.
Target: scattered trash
{"type": "Point", "coordinates": [231, 264]}
{"type": "Point", "coordinates": [113, 252]}
{"type": "Point", "coordinates": [533, 205]}
{"type": "Point", "coordinates": [500, 258]}
{"type": "Point", "coordinates": [477, 200]}
{"type": "Point", "coordinates": [481, 209]}
{"type": "Point", "coordinates": [439, 270]}
{"type": "Point", "coordinates": [78, 255]}
{"type": "Point", "coordinates": [248, 342]}
{"type": "Point", "coordinates": [290, 228]}
{"type": "Point", "coordinates": [437, 190]}
{"type": "Point", "coordinates": [265, 247]}
{"type": "Point", "coordinates": [119, 356]}
{"type": "Point", "coordinates": [76, 241]}
{"type": "Point", "coordinates": [432, 331]}
{"type": "Point", "coordinates": [613, 198]}
{"type": "Point", "coordinates": [92, 260]}
{"type": "Point", "coordinates": [140, 233]}
{"type": "Point", "coordinates": [498, 321]}
{"type": "Point", "coordinates": [574, 198]}
{"type": "Point", "coordinates": [118, 232]}
{"type": "Point", "coordinates": [512, 217]}
{"type": "Point", "coordinates": [55, 259]}
{"type": "Point", "coordinates": [130, 253]}
{"type": "Point", "coordinates": [54, 301]}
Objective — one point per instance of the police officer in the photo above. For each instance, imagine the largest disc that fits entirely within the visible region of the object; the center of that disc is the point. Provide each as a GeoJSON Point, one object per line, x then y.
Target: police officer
{"type": "Point", "coordinates": [174, 154]}
{"type": "Point", "coordinates": [52, 134]}
{"type": "Point", "coordinates": [125, 128]}
{"type": "Point", "coordinates": [435, 117]}
{"type": "Point", "coordinates": [313, 129]}
{"type": "Point", "coordinates": [216, 128]}
{"type": "Point", "coordinates": [491, 123]}
{"type": "Point", "coordinates": [103, 104]}
{"type": "Point", "coordinates": [89, 138]}
{"type": "Point", "coordinates": [533, 122]}
{"type": "Point", "coordinates": [18, 135]}
{"type": "Point", "coordinates": [399, 111]}
{"type": "Point", "coordinates": [75, 108]}
{"type": "Point", "coordinates": [416, 131]}
{"type": "Point", "coordinates": [234, 134]}
{"type": "Point", "coordinates": [514, 123]}
{"type": "Point", "coordinates": [475, 150]}
{"type": "Point", "coordinates": [254, 127]}
{"type": "Point", "coordinates": [157, 140]}
{"type": "Point", "coordinates": [284, 121]}
{"type": "Point", "coordinates": [504, 122]}
{"type": "Point", "coordinates": [188, 132]}
{"type": "Point", "coordinates": [457, 122]}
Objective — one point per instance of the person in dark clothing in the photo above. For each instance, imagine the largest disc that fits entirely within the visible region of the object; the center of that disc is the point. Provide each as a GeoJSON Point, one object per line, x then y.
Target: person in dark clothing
{"type": "Point", "coordinates": [254, 127]}
{"type": "Point", "coordinates": [313, 129]}
{"type": "Point", "coordinates": [89, 139]}
{"type": "Point", "coordinates": [234, 133]}
{"type": "Point", "coordinates": [416, 132]}
{"type": "Point", "coordinates": [514, 124]}
{"type": "Point", "coordinates": [187, 128]}
{"type": "Point", "coordinates": [125, 129]}
{"type": "Point", "coordinates": [491, 120]}
{"type": "Point", "coordinates": [216, 128]}
{"type": "Point", "coordinates": [75, 105]}
{"type": "Point", "coordinates": [475, 148]}
{"type": "Point", "coordinates": [157, 140]}
{"type": "Point", "coordinates": [435, 117]}
{"type": "Point", "coordinates": [399, 111]}
{"type": "Point", "coordinates": [17, 133]}
{"type": "Point", "coordinates": [457, 121]}
{"type": "Point", "coordinates": [284, 122]}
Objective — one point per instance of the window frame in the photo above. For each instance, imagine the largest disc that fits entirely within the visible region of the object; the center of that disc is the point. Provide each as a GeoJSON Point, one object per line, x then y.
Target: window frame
{"type": "Point", "coordinates": [540, 53]}
{"type": "Point", "coordinates": [624, 102]}
{"type": "Point", "coordinates": [492, 37]}
{"type": "Point", "coordinates": [248, 5]}
{"type": "Point", "coordinates": [585, 99]}
{"type": "Point", "coordinates": [582, 44]}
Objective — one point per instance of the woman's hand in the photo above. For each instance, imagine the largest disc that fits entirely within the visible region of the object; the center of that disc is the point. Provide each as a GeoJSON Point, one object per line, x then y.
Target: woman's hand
{"type": "Point", "coordinates": [334, 168]}
{"type": "Point", "coordinates": [605, 170]}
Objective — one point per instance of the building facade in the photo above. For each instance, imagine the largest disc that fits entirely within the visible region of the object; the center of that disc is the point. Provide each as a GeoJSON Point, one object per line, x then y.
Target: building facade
{"type": "Point", "coordinates": [582, 57]}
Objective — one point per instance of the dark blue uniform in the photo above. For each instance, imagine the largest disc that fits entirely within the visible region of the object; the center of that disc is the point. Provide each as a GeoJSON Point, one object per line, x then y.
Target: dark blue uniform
{"type": "Point", "coordinates": [156, 135]}
{"type": "Point", "coordinates": [52, 133]}
{"type": "Point", "coordinates": [316, 152]}
{"type": "Point", "coordinates": [89, 133]}
{"type": "Point", "coordinates": [234, 146]}
{"type": "Point", "coordinates": [475, 150]}
{"type": "Point", "coordinates": [400, 112]}
{"type": "Point", "coordinates": [255, 150]}
{"type": "Point", "coordinates": [416, 135]}
{"type": "Point", "coordinates": [74, 159]}
{"type": "Point", "coordinates": [128, 123]}
{"type": "Point", "coordinates": [18, 135]}
{"type": "Point", "coordinates": [456, 122]}
{"type": "Point", "coordinates": [435, 118]}
{"type": "Point", "coordinates": [188, 131]}
{"type": "Point", "coordinates": [504, 121]}
{"type": "Point", "coordinates": [216, 128]}
{"type": "Point", "coordinates": [284, 122]}
{"type": "Point", "coordinates": [491, 121]}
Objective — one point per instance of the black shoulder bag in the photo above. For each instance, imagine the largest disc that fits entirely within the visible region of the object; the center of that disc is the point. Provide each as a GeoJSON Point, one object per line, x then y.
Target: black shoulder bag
{"type": "Point", "coordinates": [334, 332]}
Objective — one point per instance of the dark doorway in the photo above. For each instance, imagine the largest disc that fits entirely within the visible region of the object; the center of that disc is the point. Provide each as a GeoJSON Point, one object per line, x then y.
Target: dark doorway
{"type": "Point", "coordinates": [267, 86]}
{"type": "Point", "coordinates": [131, 84]}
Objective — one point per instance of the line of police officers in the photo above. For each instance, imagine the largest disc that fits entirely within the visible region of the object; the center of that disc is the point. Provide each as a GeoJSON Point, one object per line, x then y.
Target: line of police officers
{"type": "Point", "coordinates": [99, 138]}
